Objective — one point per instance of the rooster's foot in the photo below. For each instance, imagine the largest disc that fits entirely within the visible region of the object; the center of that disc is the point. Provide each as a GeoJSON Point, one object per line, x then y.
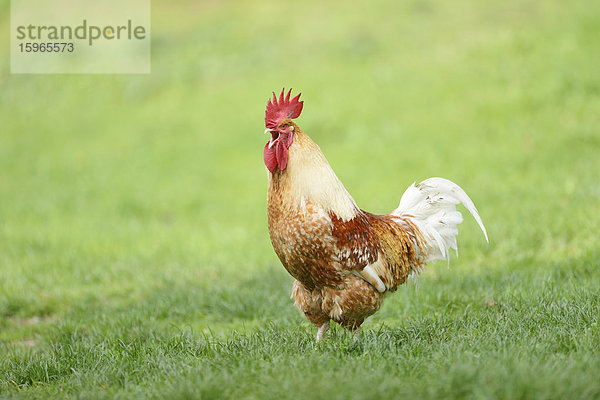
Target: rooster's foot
{"type": "Point", "coordinates": [322, 331]}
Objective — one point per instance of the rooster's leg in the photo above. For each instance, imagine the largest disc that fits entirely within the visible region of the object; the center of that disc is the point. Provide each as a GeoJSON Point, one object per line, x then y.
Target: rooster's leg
{"type": "Point", "coordinates": [322, 330]}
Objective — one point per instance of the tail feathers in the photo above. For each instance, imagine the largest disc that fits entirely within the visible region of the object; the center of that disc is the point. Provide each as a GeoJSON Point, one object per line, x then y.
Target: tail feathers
{"type": "Point", "coordinates": [431, 206]}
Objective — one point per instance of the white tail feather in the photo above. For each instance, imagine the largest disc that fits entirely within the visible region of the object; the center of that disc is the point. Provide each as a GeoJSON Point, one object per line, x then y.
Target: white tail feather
{"type": "Point", "coordinates": [431, 206]}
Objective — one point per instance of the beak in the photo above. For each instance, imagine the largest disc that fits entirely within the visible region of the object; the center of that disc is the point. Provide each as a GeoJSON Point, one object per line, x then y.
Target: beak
{"type": "Point", "coordinates": [272, 141]}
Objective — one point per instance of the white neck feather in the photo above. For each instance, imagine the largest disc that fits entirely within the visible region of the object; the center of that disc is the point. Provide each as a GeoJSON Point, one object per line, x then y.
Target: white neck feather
{"type": "Point", "coordinates": [309, 177]}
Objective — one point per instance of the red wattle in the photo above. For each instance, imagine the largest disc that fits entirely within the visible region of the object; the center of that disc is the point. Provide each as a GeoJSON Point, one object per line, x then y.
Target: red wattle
{"type": "Point", "coordinates": [282, 155]}
{"type": "Point", "coordinates": [277, 155]}
{"type": "Point", "coordinates": [270, 158]}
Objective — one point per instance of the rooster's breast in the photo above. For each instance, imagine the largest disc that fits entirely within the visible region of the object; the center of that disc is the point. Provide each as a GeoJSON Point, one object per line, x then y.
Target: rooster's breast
{"type": "Point", "coordinates": [302, 238]}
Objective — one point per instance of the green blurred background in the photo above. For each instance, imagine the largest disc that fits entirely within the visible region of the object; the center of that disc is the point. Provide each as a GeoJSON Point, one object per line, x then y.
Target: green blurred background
{"type": "Point", "coordinates": [138, 201]}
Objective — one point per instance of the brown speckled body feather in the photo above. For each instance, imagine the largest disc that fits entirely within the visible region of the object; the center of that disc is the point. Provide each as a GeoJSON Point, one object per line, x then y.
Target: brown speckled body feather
{"type": "Point", "coordinates": [325, 243]}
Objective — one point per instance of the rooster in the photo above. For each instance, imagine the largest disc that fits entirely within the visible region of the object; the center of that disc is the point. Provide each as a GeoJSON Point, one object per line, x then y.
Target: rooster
{"type": "Point", "coordinates": [346, 260]}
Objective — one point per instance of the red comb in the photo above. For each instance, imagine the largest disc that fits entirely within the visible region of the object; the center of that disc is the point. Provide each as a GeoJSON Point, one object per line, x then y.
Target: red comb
{"type": "Point", "coordinates": [278, 110]}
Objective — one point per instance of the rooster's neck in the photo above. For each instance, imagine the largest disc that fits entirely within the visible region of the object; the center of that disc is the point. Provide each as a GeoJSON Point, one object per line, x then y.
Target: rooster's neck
{"type": "Point", "coordinates": [308, 177]}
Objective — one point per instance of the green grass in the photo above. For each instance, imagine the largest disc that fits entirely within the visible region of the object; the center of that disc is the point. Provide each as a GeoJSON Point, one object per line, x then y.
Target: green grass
{"type": "Point", "coordinates": [134, 254]}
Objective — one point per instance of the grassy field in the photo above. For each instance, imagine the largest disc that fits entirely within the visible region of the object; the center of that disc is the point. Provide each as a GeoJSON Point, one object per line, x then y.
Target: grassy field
{"type": "Point", "coordinates": [134, 255]}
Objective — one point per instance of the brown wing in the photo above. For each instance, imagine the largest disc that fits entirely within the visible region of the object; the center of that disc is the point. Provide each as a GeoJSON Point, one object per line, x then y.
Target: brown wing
{"type": "Point", "coordinates": [356, 241]}
{"type": "Point", "coordinates": [382, 249]}
{"type": "Point", "coordinates": [358, 248]}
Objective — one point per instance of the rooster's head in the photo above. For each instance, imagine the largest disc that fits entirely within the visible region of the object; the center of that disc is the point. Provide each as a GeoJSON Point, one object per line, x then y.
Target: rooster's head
{"type": "Point", "coordinates": [278, 120]}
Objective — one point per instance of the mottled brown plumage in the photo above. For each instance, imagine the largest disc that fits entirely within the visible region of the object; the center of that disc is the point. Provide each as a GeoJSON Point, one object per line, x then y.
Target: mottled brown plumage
{"type": "Point", "coordinates": [324, 252]}
{"type": "Point", "coordinates": [346, 260]}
